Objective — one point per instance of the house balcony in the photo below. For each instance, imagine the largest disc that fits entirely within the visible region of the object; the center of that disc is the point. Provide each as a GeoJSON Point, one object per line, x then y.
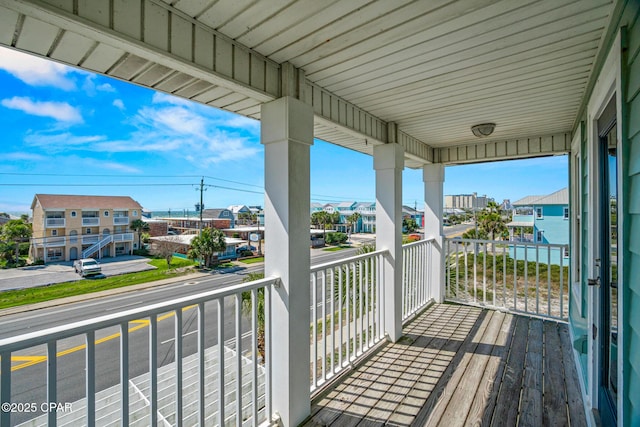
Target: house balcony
{"type": "Point", "coordinates": [49, 242]}
{"type": "Point", "coordinates": [456, 362]}
{"type": "Point", "coordinates": [120, 220]}
{"type": "Point", "coordinates": [55, 222]}
{"type": "Point", "coordinates": [90, 221]}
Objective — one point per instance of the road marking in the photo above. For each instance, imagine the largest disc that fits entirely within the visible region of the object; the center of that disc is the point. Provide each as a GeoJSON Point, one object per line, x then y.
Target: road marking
{"type": "Point", "coordinates": [31, 360]}
{"type": "Point", "coordinates": [183, 335]}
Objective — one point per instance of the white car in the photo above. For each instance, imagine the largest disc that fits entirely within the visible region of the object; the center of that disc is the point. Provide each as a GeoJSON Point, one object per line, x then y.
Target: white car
{"type": "Point", "coordinates": [87, 267]}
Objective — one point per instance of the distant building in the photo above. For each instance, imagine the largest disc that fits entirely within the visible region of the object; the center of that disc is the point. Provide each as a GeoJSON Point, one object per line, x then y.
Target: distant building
{"type": "Point", "coordinates": [69, 227]}
{"type": "Point", "coordinates": [466, 201]}
{"type": "Point", "coordinates": [547, 219]}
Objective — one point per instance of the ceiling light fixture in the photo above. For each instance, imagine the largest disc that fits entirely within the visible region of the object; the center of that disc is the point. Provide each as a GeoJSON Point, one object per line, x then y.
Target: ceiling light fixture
{"type": "Point", "coordinates": [482, 130]}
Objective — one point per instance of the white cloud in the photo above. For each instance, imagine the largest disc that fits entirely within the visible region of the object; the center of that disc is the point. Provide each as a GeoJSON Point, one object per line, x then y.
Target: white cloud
{"type": "Point", "coordinates": [36, 71]}
{"type": "Point", "coordinates": [23, 156]}
{"type": "Point", "coordinates": [120, 167]}
{"type": "Point", "coordinates": [106, 87]}
{"type": "Point", "coordinates": [60, 111]}
{"type": "Point", "coordinates": [119, 104]}
{"type": "Point", "coordinates": [57, 142]}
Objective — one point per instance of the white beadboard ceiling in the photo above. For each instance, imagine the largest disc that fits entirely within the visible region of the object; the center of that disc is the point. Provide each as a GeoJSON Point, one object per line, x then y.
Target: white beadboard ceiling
{"type": "Point", "coordinates": [433, 67]}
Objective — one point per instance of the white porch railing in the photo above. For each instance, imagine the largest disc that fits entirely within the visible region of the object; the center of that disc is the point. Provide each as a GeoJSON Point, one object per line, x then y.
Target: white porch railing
{"type": "Point", "coordinates": [522, 277]}
{"type": "Point", "coordinates": [123, 237]}
{"type": "Point", "coordinates": [222, 394]}
{"type": "Point", "coordinates": [48, 242]}
{"type": "Point", "coordinates": [417, 261]}
{"type": "Point", "coordinates": [55, 222]}
{"type": "Point", "coordinates": [347, 316]}
{"type": "Point", "coordinates": [90, 221]}
{"type": "Point", "coordinates": [120, 220]}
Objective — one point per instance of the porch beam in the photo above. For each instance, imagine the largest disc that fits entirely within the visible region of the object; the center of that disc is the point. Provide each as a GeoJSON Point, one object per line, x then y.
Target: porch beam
{"type": "Point", "coordinates": [433, 178]}
{"type": "Point", "coordinates": [535, 146]}
{"type": "Point", "coordinates": [287, 134]}
{"type": "Point", "coordinates": [147, 42]}
{"type": "Point", "coordinates": [388, 162]}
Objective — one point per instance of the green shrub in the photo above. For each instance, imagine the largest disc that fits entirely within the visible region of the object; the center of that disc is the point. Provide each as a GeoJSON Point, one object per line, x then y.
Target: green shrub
{"type": "Point", "coordinates": [336, 238]}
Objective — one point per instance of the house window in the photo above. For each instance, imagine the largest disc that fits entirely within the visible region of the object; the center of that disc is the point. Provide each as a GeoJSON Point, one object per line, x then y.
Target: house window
{"type": "Point", "coordinates": [565, 213]}
{"type": "Point", "coordinates": [539, 213]}
{"type": "Point", "coordinates": [540, 236]}
{"type": "Point", "coordinates": [135, 213]}
{"type": "Point", "coordinates": [54, 254]}
{"type": "Point", "coordinates": [73, 214]}
{"type": "Point", "coordinates": [54, 232]}
{"type": "Point", "coordinates": [225, 213]}
{"type": "Point", "coordinates": [106, 213]}
{"type": "Point", "coordinates": [566, 251]}
{"type": "Point", "coordinates": [88, 231]}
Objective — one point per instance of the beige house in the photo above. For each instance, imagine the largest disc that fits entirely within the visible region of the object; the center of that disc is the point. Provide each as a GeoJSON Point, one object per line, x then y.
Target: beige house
{"type": "Point", "coordinates": [69, 227]}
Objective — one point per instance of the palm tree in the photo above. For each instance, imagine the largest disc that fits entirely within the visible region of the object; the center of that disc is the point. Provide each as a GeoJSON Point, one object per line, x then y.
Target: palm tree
{"type": "Point", "coordinates": [352, 220]}
{"type": "Point", "coordinates": [16, 231]}
{"type": "Point", "coordinates": [491, 221]}
{"type": "Point", "coordinates": [321, 218]}
{"type": "Point", "coordinates": [204, 246]}
{"type": "Point", "coordinates": [139, 226]}
{"type": "Point", "coordinates": [247, 306]}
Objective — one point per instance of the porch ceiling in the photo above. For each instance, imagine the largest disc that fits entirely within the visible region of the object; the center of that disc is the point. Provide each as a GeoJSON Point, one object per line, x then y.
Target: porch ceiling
{"type": "Point", "coordinates": [434, 68]}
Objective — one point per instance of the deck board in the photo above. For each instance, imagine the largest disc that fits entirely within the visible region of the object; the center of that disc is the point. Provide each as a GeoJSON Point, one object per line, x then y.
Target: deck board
{"type": "Point", "coordinates": [459, 365]}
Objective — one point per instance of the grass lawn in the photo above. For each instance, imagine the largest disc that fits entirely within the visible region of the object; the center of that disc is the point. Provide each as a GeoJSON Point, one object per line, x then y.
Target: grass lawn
{"type": "Point", "coordinates": [19, 297]}
{"type": "Point", "coordinates": [252, 260]}
{"type": "Point", "coordinates": [336, 248]}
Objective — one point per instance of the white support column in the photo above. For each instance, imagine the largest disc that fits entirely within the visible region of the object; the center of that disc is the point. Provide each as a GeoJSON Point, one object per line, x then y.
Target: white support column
{"type": "Point", "coordinates": [433, 178]}
{"type": "Point", "coordinates": [287, 134]}
{"type": "Point", "coordinates": [388, 162]}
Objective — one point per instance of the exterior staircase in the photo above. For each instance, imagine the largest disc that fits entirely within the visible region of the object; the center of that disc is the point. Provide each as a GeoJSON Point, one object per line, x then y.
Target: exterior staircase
{"type": "Point", "coordinates": [97, 246]}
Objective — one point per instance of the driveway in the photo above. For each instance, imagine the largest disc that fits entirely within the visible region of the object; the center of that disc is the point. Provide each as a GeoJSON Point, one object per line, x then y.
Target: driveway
{"type": "Point", "coordinates": [43, 275]}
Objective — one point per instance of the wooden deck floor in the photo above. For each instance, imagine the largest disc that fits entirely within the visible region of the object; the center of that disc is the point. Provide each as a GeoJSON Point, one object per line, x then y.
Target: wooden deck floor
{"type": "Point", "coordinates": [461, 366]}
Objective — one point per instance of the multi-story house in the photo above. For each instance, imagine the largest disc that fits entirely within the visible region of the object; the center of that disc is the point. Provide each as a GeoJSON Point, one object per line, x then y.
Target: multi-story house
{"type": "Point", "coordinates": [543, 219]}
{"type": "Point", "coordinates": [69, 227]}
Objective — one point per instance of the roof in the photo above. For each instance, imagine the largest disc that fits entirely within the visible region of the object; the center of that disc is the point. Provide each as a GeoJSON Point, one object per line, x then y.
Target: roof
{"type": "Point", "coordinates": [238, 208]}
{"type": "Point", "coordinates": [346, 204]}
{"type": "Point", "coordinates": [214, 213]}
{"type": "Point", "coordinates": [520, 224]}
{"type": "Point", "coordinates": [560, 197]}
{"type": "Point", "coordinates": [185, 239]}
{"type": "Point", "coordinates": [63, 201]}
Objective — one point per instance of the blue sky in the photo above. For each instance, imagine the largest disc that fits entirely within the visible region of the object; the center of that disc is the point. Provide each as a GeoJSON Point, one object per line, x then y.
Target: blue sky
{"type": "Point", "coordinates": [68, 131]}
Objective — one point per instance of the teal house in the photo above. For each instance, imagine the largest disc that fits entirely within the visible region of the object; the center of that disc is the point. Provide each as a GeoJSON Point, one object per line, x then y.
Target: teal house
{"type": "Point", "coordinates": [542, 220]}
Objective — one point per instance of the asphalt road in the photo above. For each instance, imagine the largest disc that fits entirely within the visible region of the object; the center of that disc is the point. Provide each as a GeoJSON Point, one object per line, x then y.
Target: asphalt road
{"type": "Point", "coordinates": [29, 366]}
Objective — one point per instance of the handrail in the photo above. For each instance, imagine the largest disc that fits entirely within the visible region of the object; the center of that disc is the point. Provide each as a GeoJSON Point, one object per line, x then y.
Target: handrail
{"type": "Point", "coordinates": [31, 339]}
{"type": "Point", "coordinates": [354, 258]}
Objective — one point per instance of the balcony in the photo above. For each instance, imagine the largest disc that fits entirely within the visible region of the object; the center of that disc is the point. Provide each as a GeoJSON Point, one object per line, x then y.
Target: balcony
{"type": "Point", "coordinates": [55, 222]}
{"type": "Point", "coordinates": [120, 220]}
{"type": "Point", "coordinates": [49, 242]}
{"type": "Point", "coordinates": [454, 362]}
{"type": "Point", "coordinates": [90, 221]}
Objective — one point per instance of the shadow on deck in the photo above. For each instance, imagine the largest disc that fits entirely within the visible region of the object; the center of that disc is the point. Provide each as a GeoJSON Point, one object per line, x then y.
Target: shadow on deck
{"type": "Point", "coordinates": [459, 365]}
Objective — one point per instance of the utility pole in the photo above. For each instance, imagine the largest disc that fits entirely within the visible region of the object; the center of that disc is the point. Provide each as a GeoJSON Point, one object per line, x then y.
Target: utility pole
{"type": "Point", "coordinates": [201, 204]}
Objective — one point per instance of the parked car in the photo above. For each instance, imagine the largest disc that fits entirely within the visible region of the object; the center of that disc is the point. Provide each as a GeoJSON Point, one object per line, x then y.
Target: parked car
{"type": "Point", "coordinates": [87, 267]}
{"type": "Point", "coordinates": [245, 248]}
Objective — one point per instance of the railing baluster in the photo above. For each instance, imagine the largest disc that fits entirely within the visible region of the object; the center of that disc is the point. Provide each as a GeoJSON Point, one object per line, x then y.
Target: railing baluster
{"type": "Point", "coordinates": [238, 359]}
{"type": "Point", "coordinates": [549, 282]}
{"type": "Point", "coordinates": [124, 373]}
{"type": "Point", "coordinates": [494, 272]}
{"type": "Point", "coordinates": [5, 386]}
{"type": "Point", "coordinates": [340, 320]}
{"type": "Point", "coordinates": [361, 306]}
{"type": "Point", "coordinates": [201, 362]}
{"type": "Point", "coordinates": [178, 370]}
{"type": "Point", "coordinates": [267, 351]}
{"type": "Point", "coordinates": [504, 278]}
{"type": "Point", "coordinates": [526, 278]}
{"type": "Point", "coordinates": [254, 356]}
{"type": "Point", "coordinates": [153, 368]}
{"type": "Point", "coordinates": [354, 313]}
{"type": "Point", "coordinates": [484, 274]}
{"type": "Point", "coordinates": [221, 388]}
{"type": "Point", "coordinates": [333, 319]}
{"type": "Point", "coordinates": [314, 330]}
{"type": "Point", "coordinates": [538, 278]}
{"type": "Point", "coordinates": [325, 337]}
{"type": "Point", "coordinates": [561, 283]}
{"type": "Point", "coordinates": [90, 361]}
{"type": "Point", "coordinates": [52, 380]}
